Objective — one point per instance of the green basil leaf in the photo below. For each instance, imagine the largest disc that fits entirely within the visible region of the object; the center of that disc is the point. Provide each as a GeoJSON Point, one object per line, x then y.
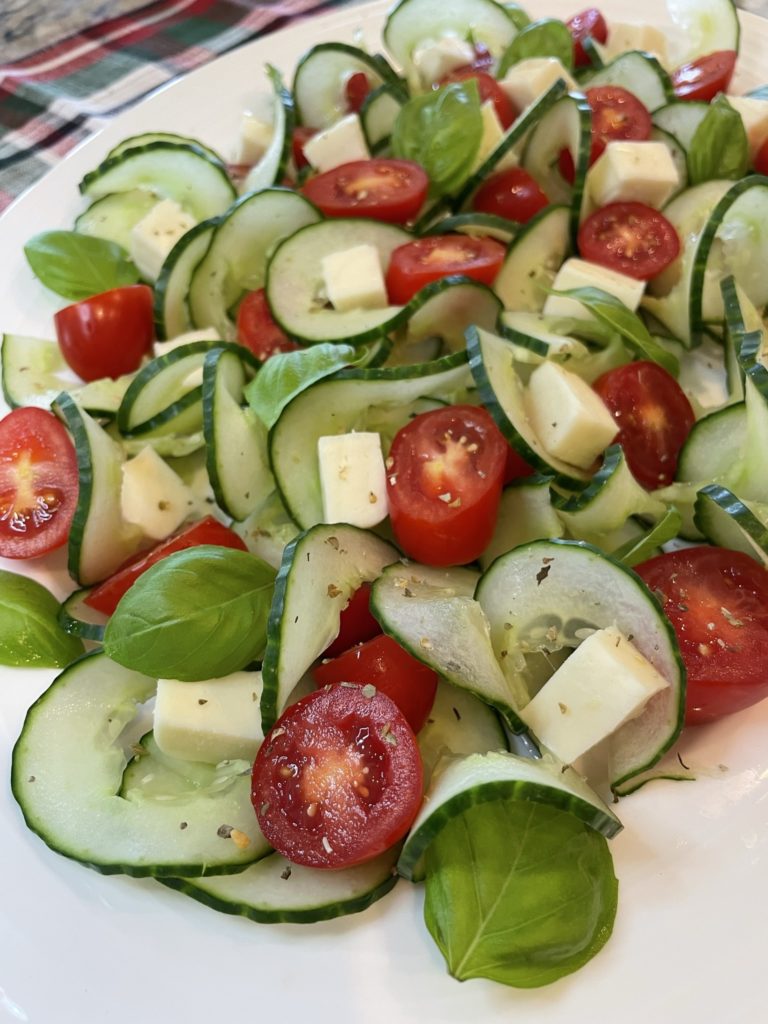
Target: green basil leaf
{"type": "Point", "coordinates": [197, 614]}
{"type": "Point", "coordinates": [613, 313]}
{"type": "Point", "coordinates": [442, 131]}
{"type": "Point", "coordinates": [285, 374]}
{"type": "Point", "coordinates": [30, 634]}
{"type": "Point", "coordinates": [78, 266]}
{"type": "Point", "coordinates": [548, 37]}
{"type": "Point", "coordinates": [516, 15]}
{"type": "Point", "coordinates": [517, 892]}
{"type": "Point", "coordinates": [719, 147]}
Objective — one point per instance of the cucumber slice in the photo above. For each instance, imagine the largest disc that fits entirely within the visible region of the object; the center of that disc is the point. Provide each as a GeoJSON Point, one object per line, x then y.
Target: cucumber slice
{"type": "Point", "coordinates": [537, 338]}
{"type": "Point", "coordinates": [478, 225]}
{"type": "Point", "coordinates": [681, 119]}
{"type": "Point", "coordinates": [447, 308]}
{"type": "Point", "coordinates": [171, 310]}
{"type": "Point", "coordinates": [152, 774]}
{"type": "Point", "coordinates": [67, 771]}
{"type": "Point", "coordinates": [646, 544]}
{"type": "Point", "coordinates": [268, 530]}
{"type": "Point", "coordinates": [77, 618]}
{"type": "Point", "coordinates": [414, 21]}
{"type": "Point", "coordinates": [714, 445]}
{"type": "Point", "coordinates": [458, 724]}
{"type": "Point", "coordinates": [702, 27]}
{"type": "Point", "coordinates": [679, 157]}
{"type": "Point", "coordinates": [533, 259]}
{"type": "Point", "coordinates": [639, 73]}
{"type": "Point", "coordinates": [726, 521]}
{"type": "Point", "coordinates": [33, 371]}
{"type": "Point", "coordinates": [273, 165]}
{"type": "Point", "coordinates": [525, 514]}
{"type": "Point", "coordinates": [139, 141]}
{"type": "Point", "coordinates": [114, 216]}
{"type": "Point", "coordinates": [378, 115]}
{"type": "Point", "coordinates": [322, 74]}
{"type": "Point", "coordinates": [465, 781]}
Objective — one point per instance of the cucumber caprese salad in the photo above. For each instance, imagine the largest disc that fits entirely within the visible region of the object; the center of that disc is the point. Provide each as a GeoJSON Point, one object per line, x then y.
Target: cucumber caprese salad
{"type": "Point", "coordinates": [408, 460]}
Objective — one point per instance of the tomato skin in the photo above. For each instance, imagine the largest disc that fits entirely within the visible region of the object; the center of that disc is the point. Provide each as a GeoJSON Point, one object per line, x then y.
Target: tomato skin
{"type": "Point", "coordinates": [704, 78]}
{"type": "Point", "coordinates": [301, 135]}
{"type": "Point", "coordinates": [654, 418]}
{"type": "Point", "coordinates": [39, 483]}
{"type": "Point", "coordinates": [390, 190]}
{"type": "Point", "coordinates": [418, 263]}
{"type": "Point", "coordinates": [356, 88]}
{"type": "Point", "coordinates": [515, 467]}
{"type": "Point", "coordinates": [108, 334]}
{"type": "Point", "coordinates": [383, 663]}
{"type": "Point", "coordinates": [761, 159]}
{"type": "Point", "coordinates": [632, 238]}
{"type": "Point", "coordinates": [338, 779]}
{"type": "Point", "coordinates": [513, 194]}
{"type": "Point", "coordinates": [616, 114]}
{"type": "Point", "coordinates": [257, 330]}
{"type": "Point", "coordinates": [444, 481]}
{"type": "Point", "coordinates": [490, 91]}
{"type": "Point", "coordinates": [717, 602]}
{"type": "Point", "coordinates": [106, 596]}
{"type": "Point", "coordinates": [589, 23]}
{"type": "Point", "coordinates": [356, 625]}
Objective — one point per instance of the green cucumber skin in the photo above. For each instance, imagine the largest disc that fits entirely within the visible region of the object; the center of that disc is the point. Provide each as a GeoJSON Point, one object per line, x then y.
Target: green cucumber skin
{"type": "Point", "coordinates": [171, 307]}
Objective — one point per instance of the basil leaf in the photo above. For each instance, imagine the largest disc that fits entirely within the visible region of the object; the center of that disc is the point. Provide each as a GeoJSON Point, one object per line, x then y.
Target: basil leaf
{"type": "Point", "coordinates": [442, 131]}
{"type": "Point", "coordinates": [548, 37]}
{"type": "Point", "coordinates": [30, 634]}
{"type": "Point", "coordinates": [612, 312]}
{"type": "Point", "coordinates": [516, 15]}
{"type": "Point", "coordinates": [719, 147]}
{"type": "Point", "coordinates": [519, 892]}
{"type": "Point", "coordinates": [78, 266]}
{"type": "Point", "coordinates": [197, 614]}
{"type": "Point", "coordinates": [286, 374]}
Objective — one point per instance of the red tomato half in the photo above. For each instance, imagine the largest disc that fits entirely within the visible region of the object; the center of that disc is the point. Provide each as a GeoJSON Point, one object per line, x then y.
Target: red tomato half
{"type": "Point", "coordinates": [654, 418]}
{"type": "Point", "coordinates": [444, 479]}
{"type": "Point", "coordinates": [108, 334]}
{"type": "Point", "coordinates": [418, 263]}
{"type": "Point", "coordinates": [356, 88]}
{"type": "Point", "coordinates": [356, 624]}
{"type": "Point", "coordinates": [515, 467]}
{"type": "Point", "coordinates": [339, 778]}
{"type": "Point", "coordinates": [704, 78]}
{"type": "Point", "coordinates": [513, 194]}
{"type": "Point", "coordinates": [106, 595]}
{"type": "Point", "coordinates": [256, 329]}
{"type": "Point", "coordinates": [632, 238]}
{"type": "Point", "coordinates": [761, 159]}
{"type": "Point", "coordinates": [301, 135]}
{"type": "Point", "coordinates": [586, 24]}
{"type": "Point", "coordinates": [390, 190]}
{"type": "Point", "coordinates": [489, 90]}
{"type": "Point", "coordinates": [616, 114]}
{"type": "Point", "coordinates": [38, 483]}
{"type": "Point", "coordinates": [717, 602]}
{"type": "Point", "coordinates": [383, 663]}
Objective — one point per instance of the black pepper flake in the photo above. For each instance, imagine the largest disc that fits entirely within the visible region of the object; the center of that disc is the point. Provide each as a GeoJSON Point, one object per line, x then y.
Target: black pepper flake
{"type": "Point", "coordinates": [31, 779]}
{"type": "Point", "coordinates": [542, 574]}
{"type": "Point", "coordinates": [286, 873]}
{"type": "Point", "coordinates": [183, 825]}
{"type": "Point", "coordinates": [202, 700]}
{"type": "Point", "coordinates": [224, 831]}
{"type": "Point", "coordinates": [456, 713]}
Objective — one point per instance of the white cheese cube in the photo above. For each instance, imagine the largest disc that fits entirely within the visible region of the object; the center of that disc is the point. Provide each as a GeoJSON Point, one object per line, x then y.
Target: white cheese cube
{"type": "Point", "coordinates": [162, 348]}
{"type": "Point", "coordinates": [529, 78]}
{"type": "Point", "coordinates": [354, 279]}
{"type": "Point", "coordinates": [433, 59]}
{"type": "Point", "coordinates": [754, 114]}
{"type": "Point", "coordinates": [255, 136]}
{"type": "Point", "coordinates": [153, 237]}
{"type": "Point", "coordinates": [213, 720]}
{"type": "Point", "coordinates": [341, 143]}
{"type": "Point", "coordinates": [604, 683]}
{"type": "Point", "coordinates": [628, 36]}
{"type": "Point", "coordinates": [493, 133]}
{"type": "Point", "coordinates": [152, 496]}
{"type": "Point", "coordinates": [576, 273]}
{"type": "Point", "coordinates": [637, 172]}
{"type": "Point", "coordinates": [569, 418]}
{"type": "Point", "coordinates": [352, 479]}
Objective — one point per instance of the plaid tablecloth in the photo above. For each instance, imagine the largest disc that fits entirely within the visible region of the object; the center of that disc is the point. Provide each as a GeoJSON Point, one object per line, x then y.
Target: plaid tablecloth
{"type": "Point", "coordinates": [54, 98]}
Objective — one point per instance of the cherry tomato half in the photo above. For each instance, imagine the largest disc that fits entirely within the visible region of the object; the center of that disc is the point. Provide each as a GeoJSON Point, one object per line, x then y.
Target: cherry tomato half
{"type": "Point", "coordinates": [356, 624]}
{"type": "Point", "coordinates": [490, 91]}
{"type": "Point", "coordinates": [108, 334]}
{"type": "Point", "coordinates": [339, 778]}
{"type": "Point", "coordinates": [761, 159]}
{"type": "Point", "coordinates": [383, 663]}
{"type": "Point", "coordinates": [106, 595]}
{"type": "Point", "coordinates": [390, 190]}
{"type": "Point", "coordinates": [418, 263]}
{"type": "Point", "coordinates": [704, 78]}
{"type": "Point", "coordinates": [717, 602]}
{"type": "Point", "coordinates": [444, 481]}
{"type": "Point", "coordinates": [632, 238]}
{"type": "Point", "coordinates": [654, 418]}
{"type": "Point", "coordinates": [586, 24]}
{"type": "Point", "coordinates": [356, 88]}
{"type": "Point", "coordinates": [257, 330]}
{"type": "Point", "coordinates": [301, 135]}
{"type": "Point", "coordinates": [38, 483]}
{"type": "Point", "coordinates": [515, 467]}
{"type": "Point", "coordinates": [513, 194]}
{"type": "Point", "coordinates": [616, 114]}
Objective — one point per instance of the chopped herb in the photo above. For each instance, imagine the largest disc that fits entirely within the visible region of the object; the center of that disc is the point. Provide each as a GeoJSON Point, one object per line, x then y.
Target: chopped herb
{"type": "Point", "coordinates": [224, 831]}
{"type": "Point", "coordinates": [202, 700]}
{"type": "Point", "coordinates": [456, 713]}
{"type": "Point", "coordinates": [333, 590]}
{"type": "Point", "coordinates": [285, 874]}
{"type": "Point", "coordinates": [369, 690]}
{"type": "Point", "coordinates": [542, 574]}
{"type": "Point", "coordinates": [682, 763]}
{"type": "Point", "coordinates": [183, 825]}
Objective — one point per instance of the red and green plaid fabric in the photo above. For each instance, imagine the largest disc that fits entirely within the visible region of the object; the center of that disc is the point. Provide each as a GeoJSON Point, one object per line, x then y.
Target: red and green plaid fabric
{"type": "Point", "coordinates": [53, 99]}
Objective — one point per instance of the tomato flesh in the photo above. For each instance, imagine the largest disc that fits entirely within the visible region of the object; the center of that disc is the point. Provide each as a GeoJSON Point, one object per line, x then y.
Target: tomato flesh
{"type": "Point", "coordinates": [356, 88]}
{"type": "Point", "coordinates": [416, 264]}
{"type": "Point", "coordinates": [356, 624]}
{"type": "Point", "coordinates": [301, 135]}
{"type": "Point", "coordinates": [339, 778]}
{"type": "Point", "coordinates": [490, 91]}
{"type": "Point", "coordinates": [586, 24]}
{"type": "Point", "coordinates": [761, 159]}
{"type": "Point", "coordinates": [616, 114]}
{"type": "Point", "coordinates": [38, 483]}
{"type": "Point", "coordinates": [106, 595]}
{"type": "Point", "coordinates": [513, 194]}
{"type": "Point", "coordinates": [717, 602]}
{"type": "Point", "coordinates": [383, 663]}
{"type": "Point", "coordinates": [444, 480]}
{"type": "Point", "coordinates": [705, 77]}
{"type": "Point", "coordinates": [390, 190]}
{"type": "Point", "coordinates": [632, 238]}
{"type": "Point", "coordinates": [257, 330]}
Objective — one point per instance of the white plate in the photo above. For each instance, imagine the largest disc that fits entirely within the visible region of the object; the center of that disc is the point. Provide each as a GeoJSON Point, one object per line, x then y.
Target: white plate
{"type": "Point", "coordinates": [77, 947]}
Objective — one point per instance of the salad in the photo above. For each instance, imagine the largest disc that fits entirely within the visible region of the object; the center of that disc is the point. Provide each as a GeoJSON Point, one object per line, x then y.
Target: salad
{"type": "Point", "coordinates": [358, 373]}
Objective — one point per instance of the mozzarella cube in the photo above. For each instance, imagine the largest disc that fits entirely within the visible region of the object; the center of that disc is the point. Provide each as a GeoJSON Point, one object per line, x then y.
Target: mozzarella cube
{"type": "Point", "coordinates": [569, 418]}
{"type": "Point", "coordinates": [354, 279]}
{"type": "Point", "coordinates": [162, 348]}
{"type": "Point", "coordinates": [628, 36]}
{"type": "Point", "coordinates": [353, 479]}
{"type": "Point", "coordinates": [341, 143]}
{"type": "Point", "coordinates": [255, 136]}
{"type": "Point", "coordinates": [493, 133]}
{"type": "Point", "coordinates": [433, 59]}
{"type": "Point", "coordinates": [604, 683]}
{"type": "Point", "coordinates": [754, 114]}
{"type": "Point", "coordinates": [638, 172]}
{"type": "Point", "coordinates": [529, 78]}
{"type": "Point", "coordinates": [213, 720]}
{"type": "Point", "coordinates": [152, 496]}
{"type": "Point", "coordinates": [576, 273]}
{"type": "Point", "coordinates": [153, 237]}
